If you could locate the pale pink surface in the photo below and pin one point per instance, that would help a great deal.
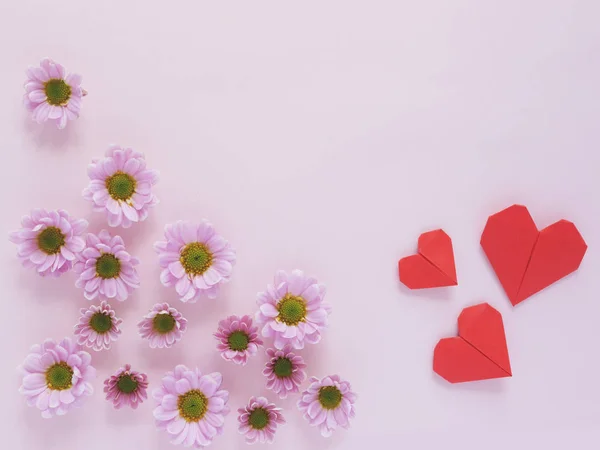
(326, 136)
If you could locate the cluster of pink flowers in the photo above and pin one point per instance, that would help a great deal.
(196, 261)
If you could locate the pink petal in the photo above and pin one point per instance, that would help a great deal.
(113, 206)
(132, 166)
(183, 285)
(110, 287)
(73, 79)
(40, 113)
(38, 257)
(177, 269)
(55, 112)
(130, 212)
(37, 96)
(269, 310)
(211, 276)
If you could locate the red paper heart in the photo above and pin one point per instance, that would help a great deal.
(479, 352)
(527, 260)
(432, 266)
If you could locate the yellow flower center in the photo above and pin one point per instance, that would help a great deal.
(292, 310)
(57, 92)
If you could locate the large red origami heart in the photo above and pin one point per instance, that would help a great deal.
(527, 260)
(432, 266)
(479, 352)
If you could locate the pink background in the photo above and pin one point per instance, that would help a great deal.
(324, 136)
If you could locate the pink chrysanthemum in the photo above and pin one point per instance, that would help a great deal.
(284, 371)
(121, 186)
(126, 387)
(292, 311)
(52, 94)
(163, 326)
(49, 241)
(259, 420)
(238, 339)
(191, 407)
(57, 377)
(98, 326)
(328, 403)
(195, 260)
(105, 268)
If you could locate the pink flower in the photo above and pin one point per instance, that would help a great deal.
(52, 94)
(259, 420)
(238, 339)
(49, 241)
(190, 406)
(292, 310)
(98, 326)
(284, 371)
(126, 387)
(163, 326)
(57, 377)
(328, 403)
(105, 268)
(194, 259)
(121, 186)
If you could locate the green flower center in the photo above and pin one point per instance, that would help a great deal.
(59, 376)
(330, 397)
(57, 92)
(163, 323)
(121, 186)
(283, 368)
(101, 322)
(292, 310)
(108, 266)
(192, 405)
(238, 341)
(195, 258)
(127, 384)
(259, 418)
(50, 240)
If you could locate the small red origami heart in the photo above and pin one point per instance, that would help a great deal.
(527, 260)
(479, 352)
(433, 265)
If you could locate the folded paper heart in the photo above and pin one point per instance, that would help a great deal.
(433, 265)
(479, 352)
(527, 260)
